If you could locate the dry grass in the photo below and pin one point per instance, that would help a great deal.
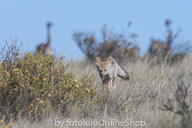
(143, 98)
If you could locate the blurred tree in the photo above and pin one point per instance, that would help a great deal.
(117, 45)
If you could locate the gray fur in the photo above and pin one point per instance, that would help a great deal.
(121, 72)
(109, 70)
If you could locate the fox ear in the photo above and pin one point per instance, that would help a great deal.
(109, 59)
(98, 61)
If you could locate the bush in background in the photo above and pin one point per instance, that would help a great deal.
(120, 46)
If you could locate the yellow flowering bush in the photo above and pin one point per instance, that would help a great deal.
(35, 84)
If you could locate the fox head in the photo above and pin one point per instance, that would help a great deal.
(102, 66)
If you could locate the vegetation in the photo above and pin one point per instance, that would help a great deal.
(120, 46)
(37, 89)
(35, 85)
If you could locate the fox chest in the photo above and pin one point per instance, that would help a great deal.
(105, 79)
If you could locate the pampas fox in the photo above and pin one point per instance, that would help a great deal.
(109, 70)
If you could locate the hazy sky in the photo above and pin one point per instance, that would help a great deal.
(25, 20)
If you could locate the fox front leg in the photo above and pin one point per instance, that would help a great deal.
(109, 86)
(114, 78)
(113, 83)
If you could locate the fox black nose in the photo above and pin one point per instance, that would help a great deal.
(101, 75)
(128, 78)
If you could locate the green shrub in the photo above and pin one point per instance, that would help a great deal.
(34, 85)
